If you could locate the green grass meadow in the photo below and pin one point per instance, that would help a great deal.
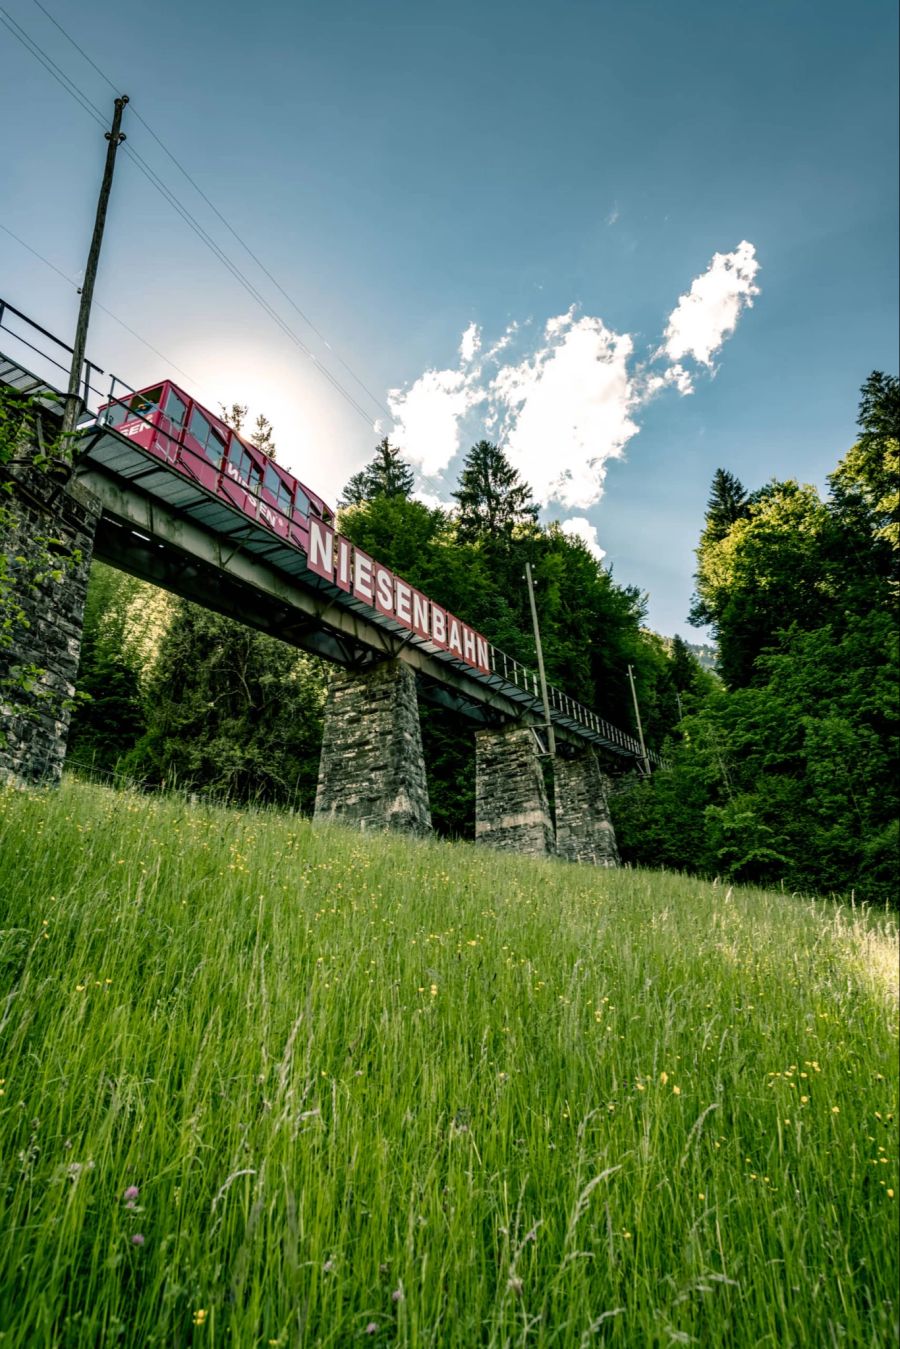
(265, 1084)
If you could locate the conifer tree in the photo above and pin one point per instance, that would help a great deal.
(491, 497)
(262, 435)
(386, 475)
(683, 665)
(727, 503)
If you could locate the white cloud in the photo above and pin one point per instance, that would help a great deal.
(568, 409)
(503, 342)
(429, 499)
(579, 527)
(709, 312)
(563, 402)
(676, 377)
(427, 417)
(470, 344)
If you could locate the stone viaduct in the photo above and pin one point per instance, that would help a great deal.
(119, 506)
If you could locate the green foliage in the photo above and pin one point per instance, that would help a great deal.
(123, 623)
(386, 475)
(333, 1083)
(764, 574)
(867, 481)
(726, 505)
(231, 711)
(791, 774)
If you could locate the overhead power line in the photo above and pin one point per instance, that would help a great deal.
(212, 206)
(50, 66)
(93, 111)
(121, 322)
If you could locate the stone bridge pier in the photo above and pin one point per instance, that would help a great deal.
(372, 775)
(512, 811)
(584, 830)
(372, 769)
(511, 807)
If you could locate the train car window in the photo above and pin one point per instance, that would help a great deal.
(215, 447)
(117, 413)
(239, 457)
(199, 427)
(211, 441)
(144, 404)
(273, 483)
(175, 408)
(244, 465)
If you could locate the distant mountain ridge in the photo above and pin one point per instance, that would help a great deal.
(706, 656)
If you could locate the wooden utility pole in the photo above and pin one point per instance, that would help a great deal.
(551, 738)
(637, 714)
(74, 403)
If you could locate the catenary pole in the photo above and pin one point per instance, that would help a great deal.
(74, 401)
(637, 714)
(551, 738)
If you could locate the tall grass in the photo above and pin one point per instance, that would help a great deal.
(266, 1084)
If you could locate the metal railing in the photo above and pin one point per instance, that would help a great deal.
(55, 362)
(565, 708)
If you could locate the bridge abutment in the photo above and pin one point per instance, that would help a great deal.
(584, 830)
(47, 538)
(511, 807)
(372, 769)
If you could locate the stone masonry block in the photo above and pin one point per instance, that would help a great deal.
(584, 830)
(34, 725)
(372, 769)
(511, 807)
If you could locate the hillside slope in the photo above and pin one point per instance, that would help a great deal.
(271, 1085)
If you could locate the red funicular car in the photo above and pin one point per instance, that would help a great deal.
(172, 426)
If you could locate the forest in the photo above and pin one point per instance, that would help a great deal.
(780, 765)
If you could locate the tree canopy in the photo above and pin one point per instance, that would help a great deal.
(491, 498)
(788, 771)
(387, 474)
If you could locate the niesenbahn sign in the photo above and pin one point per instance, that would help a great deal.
(337, 560)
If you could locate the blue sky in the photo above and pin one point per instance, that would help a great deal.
(665, 237)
